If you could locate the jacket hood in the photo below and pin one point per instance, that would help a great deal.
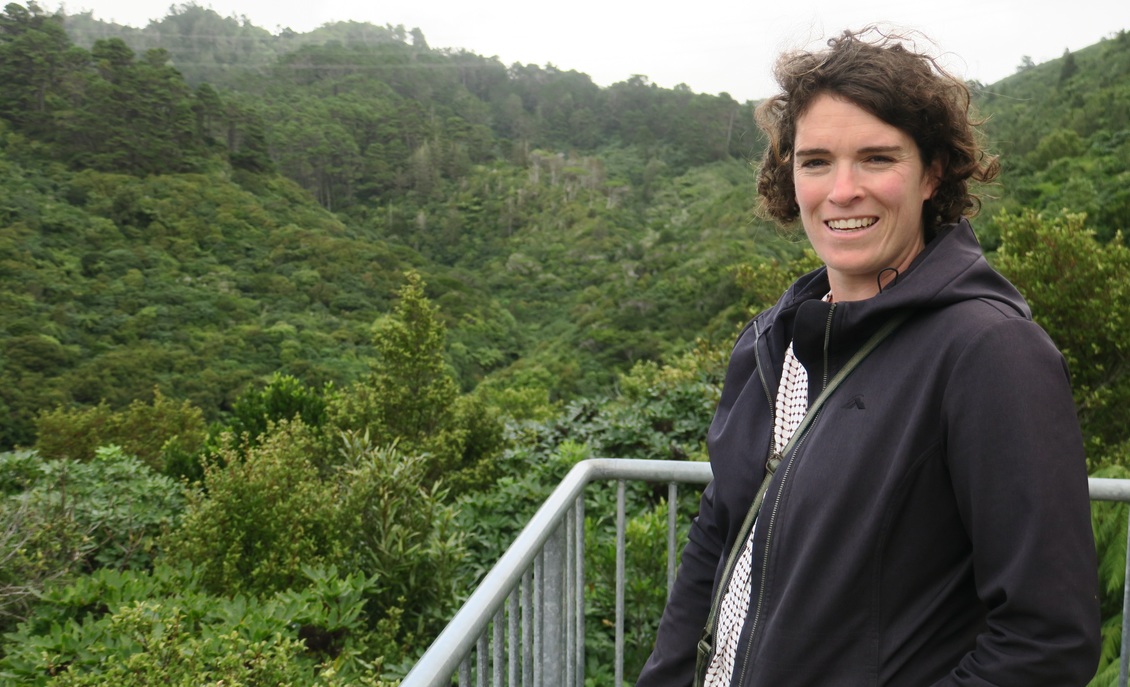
(950, 269)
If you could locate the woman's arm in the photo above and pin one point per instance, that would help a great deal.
(672, 661)
(1019, 474)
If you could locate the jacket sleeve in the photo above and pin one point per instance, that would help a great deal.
(672, 661)
(1016, 460)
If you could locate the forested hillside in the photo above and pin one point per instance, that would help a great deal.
(296, 330)
(549, 216)
(1061, 129)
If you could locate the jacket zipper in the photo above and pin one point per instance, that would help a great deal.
(765, 555)
(777, 500)
(827, 342)
(743, 534)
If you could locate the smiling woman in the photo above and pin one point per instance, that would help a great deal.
(934, 529)
(860, 185)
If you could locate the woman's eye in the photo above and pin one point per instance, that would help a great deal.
(811, 163)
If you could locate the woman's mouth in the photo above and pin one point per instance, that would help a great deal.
(851, 224)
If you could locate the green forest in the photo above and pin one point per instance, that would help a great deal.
(298, 330)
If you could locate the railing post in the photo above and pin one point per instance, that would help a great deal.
(672, 529)
(498, 648)
(579, 658)
(527, 629)
(514, 651)
(553, 606)
(481, 656)
(537, 664)
(1124, 659)
(570, 604)
(620, 580)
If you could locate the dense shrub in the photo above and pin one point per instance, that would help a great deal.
(137, 629)
(59, 518)
(411, 399)
(259, 516)
(283, 398)
(1078, 291)
(264, 513)
(396, 527)
(157, 432)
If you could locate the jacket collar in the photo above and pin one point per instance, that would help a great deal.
(951, 269)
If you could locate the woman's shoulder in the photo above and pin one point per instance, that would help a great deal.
(982, 325)
(975, 313)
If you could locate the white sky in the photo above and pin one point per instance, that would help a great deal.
(710, 45)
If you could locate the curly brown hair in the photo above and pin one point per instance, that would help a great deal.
(906, 89)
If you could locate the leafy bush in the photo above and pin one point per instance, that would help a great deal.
(260, 515)
(59, 518)
(1087, 314)
(19, 471)
(150, 431)
(410, 398)
(265, 513)
(283, 398)
(664, 411)
(396, 528)
(37, 544)
(140, 629)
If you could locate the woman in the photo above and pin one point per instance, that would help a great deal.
(931, 525)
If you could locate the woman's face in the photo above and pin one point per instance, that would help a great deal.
(860, 184)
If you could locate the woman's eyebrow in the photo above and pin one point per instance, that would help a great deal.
(881, 149)
(806, 152)
(809, 152)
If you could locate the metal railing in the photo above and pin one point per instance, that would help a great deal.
(525, 620)
(1103, 489)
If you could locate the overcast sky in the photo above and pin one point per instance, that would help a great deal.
(710, 45)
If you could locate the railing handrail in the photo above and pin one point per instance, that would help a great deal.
(459, 637)
(442, 658)
(1108, 489)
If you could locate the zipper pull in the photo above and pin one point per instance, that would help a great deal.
(773, 461)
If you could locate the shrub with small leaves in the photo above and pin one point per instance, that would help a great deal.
(1077, 289)
(138, 629)
(411, 397)
(261, 514)
(283, 398)
(150, 431)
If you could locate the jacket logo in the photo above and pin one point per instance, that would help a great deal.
(856, 402)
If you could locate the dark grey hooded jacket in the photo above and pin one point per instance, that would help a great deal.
(932, 528)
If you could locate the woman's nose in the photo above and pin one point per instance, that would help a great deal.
(845, 186)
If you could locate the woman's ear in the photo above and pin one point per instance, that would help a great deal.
(931, 179)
